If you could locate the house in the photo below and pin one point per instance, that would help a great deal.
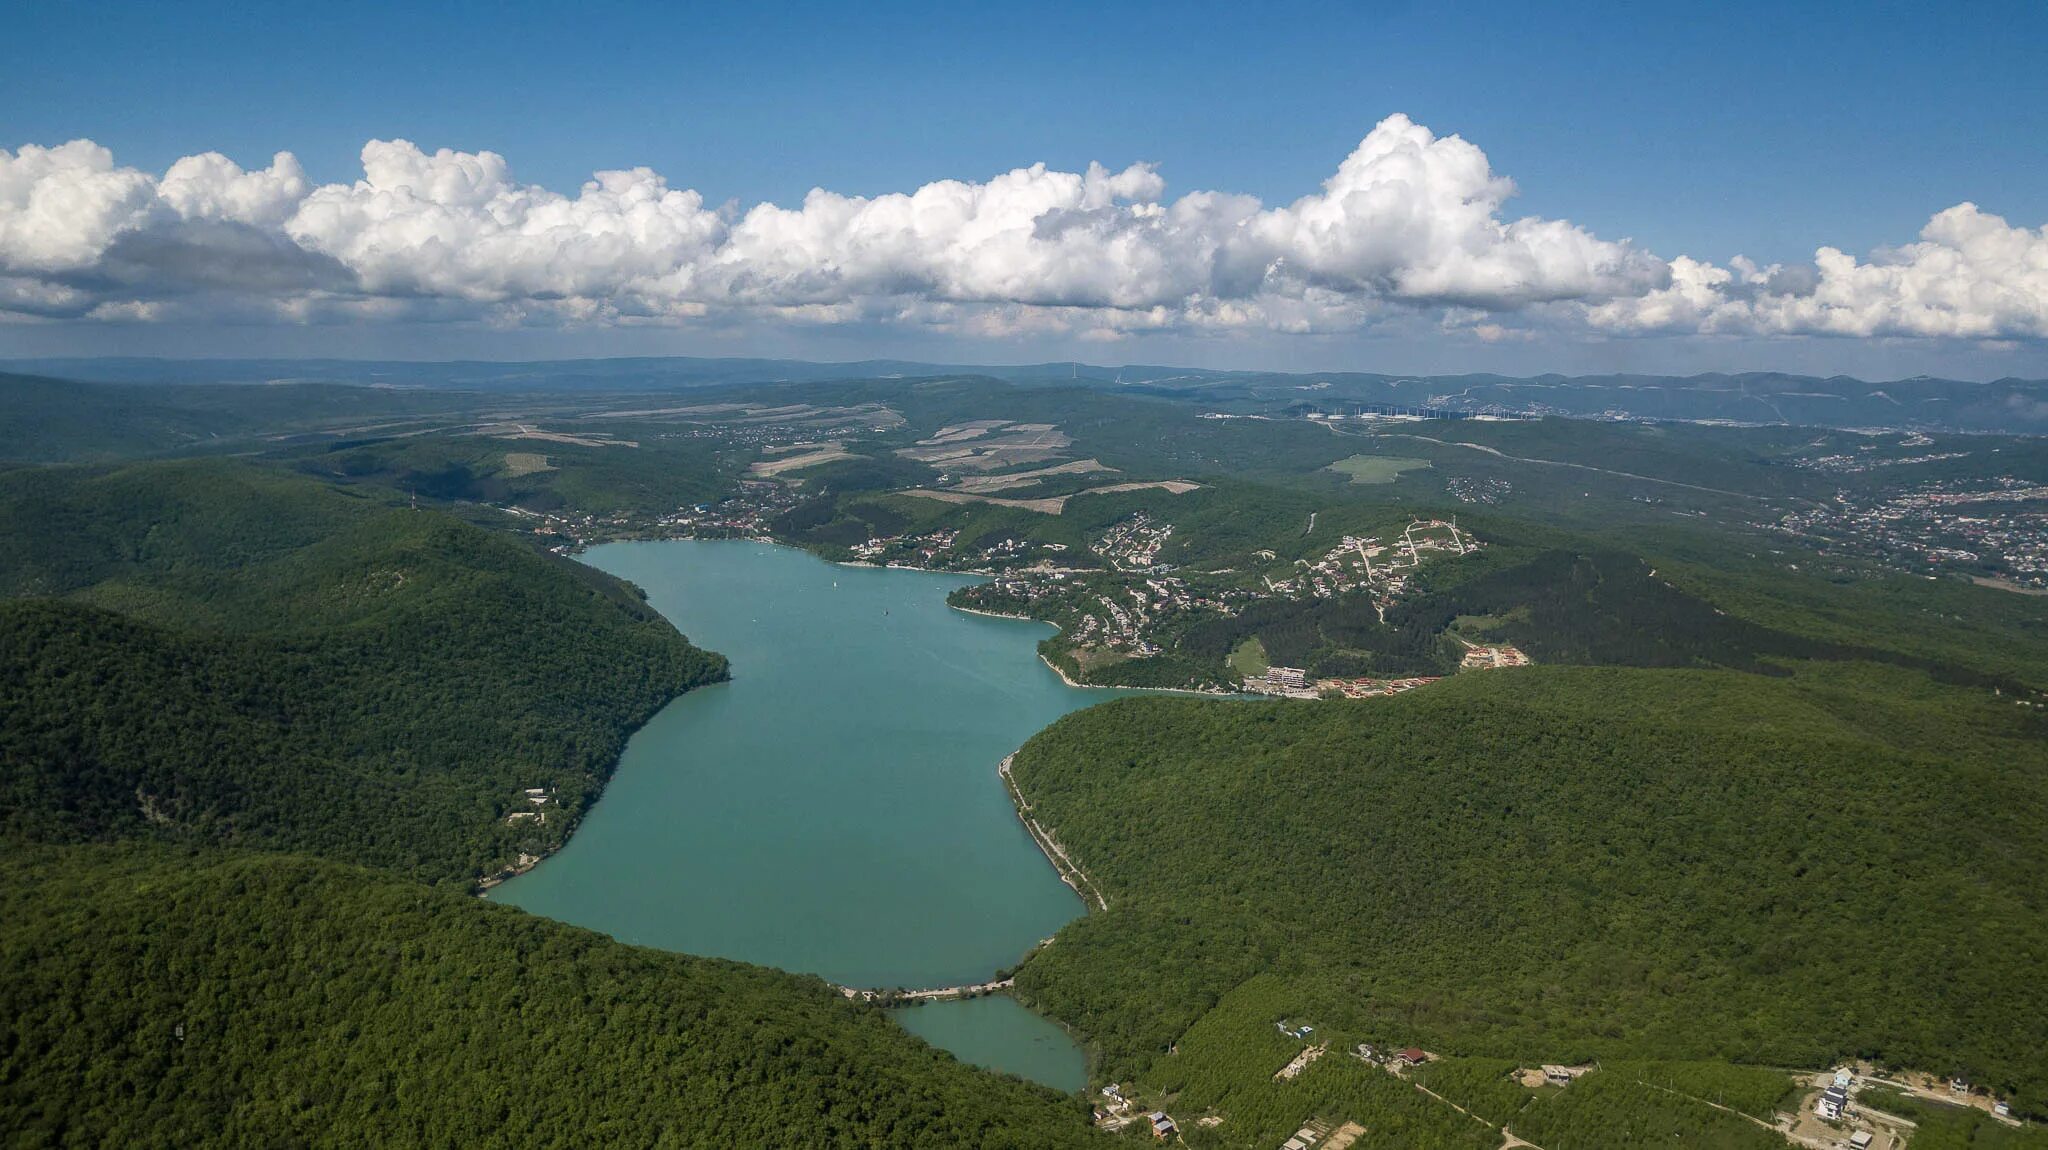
(1843, 1078)
(1162, 1126)
(1833, 1101)
(1557, 1075)
(1860, 1140)
(1414, 1056)
(2003, 1110)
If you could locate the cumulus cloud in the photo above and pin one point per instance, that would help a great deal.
(60, 207)
(1971, 276)
(1410, 224)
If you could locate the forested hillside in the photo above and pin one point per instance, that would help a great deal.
(46, 420)
(223, 653)
(168, 998)
(1553, 864)
(201, 658)
(1772, 798)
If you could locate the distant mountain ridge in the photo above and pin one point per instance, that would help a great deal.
(2009, 405)
(655, 372)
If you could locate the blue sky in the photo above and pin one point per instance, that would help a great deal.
(1759, 130)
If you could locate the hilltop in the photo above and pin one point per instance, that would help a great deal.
(1561, 865)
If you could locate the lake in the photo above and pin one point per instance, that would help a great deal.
(835, 808)
(999, 1033)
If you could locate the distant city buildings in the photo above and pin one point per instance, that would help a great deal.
(1998, 529)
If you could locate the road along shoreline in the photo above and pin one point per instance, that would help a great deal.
(1071, 874)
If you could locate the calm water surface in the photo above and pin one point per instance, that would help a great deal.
(999, 1034)
(835, 808)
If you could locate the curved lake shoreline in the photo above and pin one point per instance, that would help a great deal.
(835, 808)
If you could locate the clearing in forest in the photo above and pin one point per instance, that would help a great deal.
(1376, 468)
(529, 431)
(818, 453)
(983, 484)
(989, 445)
(1250, 659)
(518, 463)
(1344, 1137)
(1053, 504)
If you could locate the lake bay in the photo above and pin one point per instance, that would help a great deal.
(835, 808)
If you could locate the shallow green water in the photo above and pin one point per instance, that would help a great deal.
(999, 1034)
(835, 808)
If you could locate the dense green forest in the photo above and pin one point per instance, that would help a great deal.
(1802, 825)
(201, 658)
(621, 477)
(44, 420)
(1552, 864)
(157, 997)
(221, 652)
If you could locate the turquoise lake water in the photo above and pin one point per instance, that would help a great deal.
(1000, 1034)
(834, 809)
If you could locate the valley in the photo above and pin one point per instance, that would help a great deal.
(1651, 749)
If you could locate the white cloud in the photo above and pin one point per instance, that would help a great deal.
(1416, 217)
(455, 224)
(60, 207)
(1410, 225)
(1971, 276)
(211, 187)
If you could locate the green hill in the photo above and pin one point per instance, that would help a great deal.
(1561, 863)
(45, 420)
(219, 652)
(200, 658)
(161, 998)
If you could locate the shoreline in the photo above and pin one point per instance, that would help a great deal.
(1200, 692)
(1069, 872)
(1068, 679)
(999, 614)
(482, 885)
(1072, 876)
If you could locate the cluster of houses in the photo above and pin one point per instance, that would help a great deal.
(1483, 658)
(1834, 1100)
(1134, 544)
(1117, 1115)
(1289, 682)
(913, 550)
(1351, 563)
(1372, 688)
(747, 513)
(1294, 683)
